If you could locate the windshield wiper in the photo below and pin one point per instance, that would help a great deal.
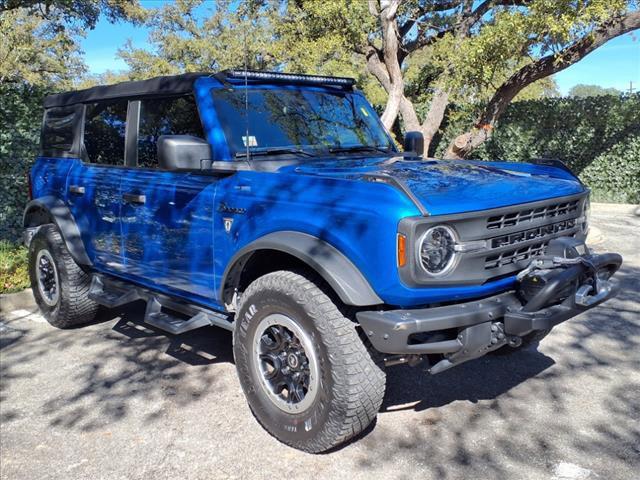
(359, 148)
(275, 151)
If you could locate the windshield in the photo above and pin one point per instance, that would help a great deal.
(298, 121)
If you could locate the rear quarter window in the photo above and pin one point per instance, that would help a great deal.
(59, 129)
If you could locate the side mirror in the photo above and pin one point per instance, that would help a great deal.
(183, 152)
(414, 142)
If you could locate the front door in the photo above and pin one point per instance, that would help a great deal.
(167, 217)
(93, 186)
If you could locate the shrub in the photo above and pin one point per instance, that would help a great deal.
(597, 137)
(14, 273)
(20, 119)
(614, 176)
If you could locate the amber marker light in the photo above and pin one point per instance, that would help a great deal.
(402, 250)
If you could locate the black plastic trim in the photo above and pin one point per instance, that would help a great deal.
(389, 330)
(64, 220)
(400, 185)
(334, 267)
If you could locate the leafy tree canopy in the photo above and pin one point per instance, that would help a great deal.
(581, 90)
(39, 40)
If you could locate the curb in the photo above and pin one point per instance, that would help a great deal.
(17, 301)
(625, 208)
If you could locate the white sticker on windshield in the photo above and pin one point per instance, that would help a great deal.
(252, 141)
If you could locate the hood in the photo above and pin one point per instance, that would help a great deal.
(448, 186)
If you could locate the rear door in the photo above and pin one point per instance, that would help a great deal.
(93, 185)
(167, 216)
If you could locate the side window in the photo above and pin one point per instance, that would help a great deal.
(165, 116)
(58, 129)
(104, 132)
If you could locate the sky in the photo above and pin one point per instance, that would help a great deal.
(615, 64)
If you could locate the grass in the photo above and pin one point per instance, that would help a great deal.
(14, 272)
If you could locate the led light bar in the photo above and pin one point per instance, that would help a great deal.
(288, 77)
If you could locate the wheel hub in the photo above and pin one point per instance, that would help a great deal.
(285, 360)
(47, 278)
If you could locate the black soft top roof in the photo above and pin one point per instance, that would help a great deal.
(180, 84)
(166, 85)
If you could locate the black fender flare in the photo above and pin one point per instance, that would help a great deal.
(333, 266)
(63, 219)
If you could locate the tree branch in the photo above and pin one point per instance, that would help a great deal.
(537, 70)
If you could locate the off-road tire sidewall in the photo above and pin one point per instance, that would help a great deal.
(329, 420)
(296, 427)
(73, 306)
(41, 241)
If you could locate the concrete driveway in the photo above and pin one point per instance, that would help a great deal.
(117, 399)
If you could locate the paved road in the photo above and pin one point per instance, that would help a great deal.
(119, 400)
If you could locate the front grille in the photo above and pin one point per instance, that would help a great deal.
(531, 214)
(538, 232)
(516, 255)
(546, 222)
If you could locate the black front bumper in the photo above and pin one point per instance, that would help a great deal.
(468, 330)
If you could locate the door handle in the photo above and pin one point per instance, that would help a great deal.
(134, 198)
(77, 189)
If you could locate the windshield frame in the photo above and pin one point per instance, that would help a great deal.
(308, 150)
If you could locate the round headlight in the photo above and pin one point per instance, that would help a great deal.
(436, 249)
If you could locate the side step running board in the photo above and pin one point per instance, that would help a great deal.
(111, 297)
(164, 321)
(114, 293)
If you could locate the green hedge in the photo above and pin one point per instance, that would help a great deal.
(597, 137)
(20, 118)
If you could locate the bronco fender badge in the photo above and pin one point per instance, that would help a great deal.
(228, 222)
(224, 208)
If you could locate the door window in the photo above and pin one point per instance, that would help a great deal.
(104, 132)
(165, 116)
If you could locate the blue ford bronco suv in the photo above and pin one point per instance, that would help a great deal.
(277, 206)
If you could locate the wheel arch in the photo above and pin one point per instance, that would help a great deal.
(291, 250)
(50, 209)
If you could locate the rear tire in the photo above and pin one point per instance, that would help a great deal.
(288, 330)
(60, 287)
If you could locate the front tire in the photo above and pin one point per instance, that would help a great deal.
(60, 287)
(308, 377)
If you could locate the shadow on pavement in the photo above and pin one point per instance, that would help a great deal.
(133, 370)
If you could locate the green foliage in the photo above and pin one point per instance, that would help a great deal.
(582, 90)
(597, 137)
(20, 119)
(195, 35)
(14, 272)
(510, 37)
(39, 40)
(614, 175)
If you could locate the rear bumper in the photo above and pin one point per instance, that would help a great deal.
(468, 330)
